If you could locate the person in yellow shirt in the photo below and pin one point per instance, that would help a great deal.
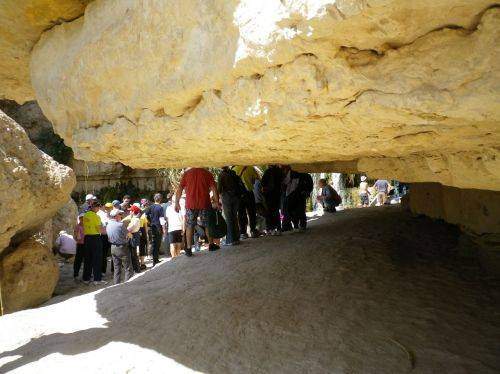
(247, 212)
(92, 229)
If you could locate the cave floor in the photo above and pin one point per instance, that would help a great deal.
(363, 291)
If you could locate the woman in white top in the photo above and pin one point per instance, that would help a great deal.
(175, 225)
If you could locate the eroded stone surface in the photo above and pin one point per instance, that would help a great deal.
(29, 275)
(474, 210)
(21, 23)
(32, 185)
(303, 82)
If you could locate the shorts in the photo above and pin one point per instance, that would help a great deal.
(192, 216)
(364, 199)
(175, 236)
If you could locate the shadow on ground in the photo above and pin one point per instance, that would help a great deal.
(367, 290)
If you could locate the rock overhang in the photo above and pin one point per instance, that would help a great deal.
(390, 84)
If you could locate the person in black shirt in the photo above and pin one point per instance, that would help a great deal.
(230, 190)
(153, 214)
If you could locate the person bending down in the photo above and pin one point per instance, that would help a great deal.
(198, 183)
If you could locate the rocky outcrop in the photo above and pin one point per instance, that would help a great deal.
(28, 275)
(381, 83)
(32, 185)
(21, 23)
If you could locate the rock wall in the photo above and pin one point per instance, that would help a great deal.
(387, 84)
(94, 176)
(477, 211)
(21, 23)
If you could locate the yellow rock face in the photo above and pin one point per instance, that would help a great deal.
(21, 24)
(379, 84)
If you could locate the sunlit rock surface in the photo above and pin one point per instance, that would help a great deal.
(21, 24)
(248, 82)
(32, 185)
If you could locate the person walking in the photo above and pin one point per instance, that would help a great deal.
(271, 189)
(175, 227)
(120, 253)
(198, 183)
(93, 245)
(247, 214)
(79, 236)
(231, 190)
(298, 186)
(382, 188)
(154, 213)
(364, 194)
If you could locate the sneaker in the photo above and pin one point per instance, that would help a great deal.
(87, 283)
(188, 252)
(243, 236)
(213, 247)
(100, 283)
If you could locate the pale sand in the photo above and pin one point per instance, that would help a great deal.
(363, 291)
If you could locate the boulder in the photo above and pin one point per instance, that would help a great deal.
(395, 86)
(28, 275)
(32, 185)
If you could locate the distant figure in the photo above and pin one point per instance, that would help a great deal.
(79, 236)
(247, 211)
(133, 222)
(271, 189)
(364, 194)
(125, 204)
(103, 214)
(143, 244)
(92, 227)
(175, 228)
(156, 215)
(65, 245)
(118, 236)
(328, 198)
(382, 187)
(198, 183)
(86, 205)
(231, 194)
(298, 187)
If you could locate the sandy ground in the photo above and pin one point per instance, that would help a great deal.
(363, 291)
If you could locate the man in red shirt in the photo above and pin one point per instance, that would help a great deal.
(198, 183)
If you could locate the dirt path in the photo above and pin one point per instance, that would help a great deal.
(363, 291)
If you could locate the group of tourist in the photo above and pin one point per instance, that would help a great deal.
(126, 231)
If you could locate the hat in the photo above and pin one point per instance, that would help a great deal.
(135, 209)
(89, 197)
(108, 205)
(115, 212)
(116, 202)
(136, 204)
(363, 178)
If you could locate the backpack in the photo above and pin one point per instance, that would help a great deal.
(217, 227)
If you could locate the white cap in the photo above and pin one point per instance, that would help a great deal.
(137, 205)
(115, 212)
(363, 178)
(89, 197)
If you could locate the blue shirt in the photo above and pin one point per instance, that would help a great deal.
(154, 213)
